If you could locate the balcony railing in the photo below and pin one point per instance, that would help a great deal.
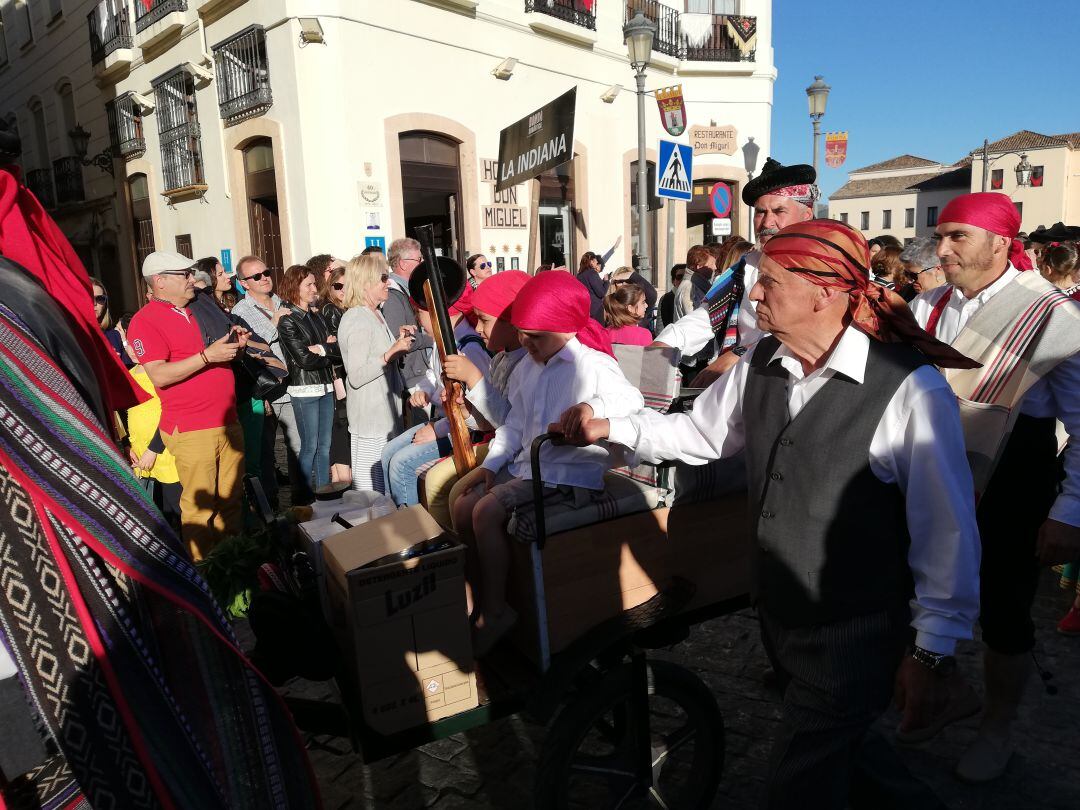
(125, 127)
(667, 39)
(110, 29)
(243, 76)
(144, 17)
(69, 180)
(577, 12)
(40, 182)
(722, 45)
(181, 158)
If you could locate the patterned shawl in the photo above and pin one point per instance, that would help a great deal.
(128, 665)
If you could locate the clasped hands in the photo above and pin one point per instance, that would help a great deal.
(578, 426)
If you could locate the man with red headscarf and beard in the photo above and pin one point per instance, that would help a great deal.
(1026, 333)
(863, 516)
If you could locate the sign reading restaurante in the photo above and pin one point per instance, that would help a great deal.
(540, 141)
(713, 140)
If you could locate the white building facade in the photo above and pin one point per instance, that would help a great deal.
(287, 128)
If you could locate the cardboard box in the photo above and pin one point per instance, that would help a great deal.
(401, 624)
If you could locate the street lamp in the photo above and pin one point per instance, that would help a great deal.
(817, 95)
(80, 141)
(750, 155)
(638, 35)
(1023, 168)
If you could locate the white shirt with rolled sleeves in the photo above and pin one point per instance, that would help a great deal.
(690, 334)
(918, 445)
(1055, 395)
(539, 395)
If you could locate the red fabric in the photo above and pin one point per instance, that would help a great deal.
(464, 305)
(792, 191)
(834, 255)
(558, 302)
(495, 295)
(630, 335)
(1020, 260)
(206, 399)
(935, 313)
(984, 209)
(28, 236)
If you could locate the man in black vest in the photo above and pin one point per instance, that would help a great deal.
(862, 509)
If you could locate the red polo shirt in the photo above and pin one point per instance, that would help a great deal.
(206, 399)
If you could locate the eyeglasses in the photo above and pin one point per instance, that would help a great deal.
(484, 265)
(257, 276)
(184, 273)
(101, 299)
(337, 285)
(416, 259)
(915, 276)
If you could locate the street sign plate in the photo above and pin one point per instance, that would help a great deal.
(720, 200)
(676, 176)
(721, 227)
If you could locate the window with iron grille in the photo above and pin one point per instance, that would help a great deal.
(577, 12)
(243, 75)
(864, 220)
(178, 130)
(909, 217)
(886, 219)
(125, 127)
(145, 17)
(931, 216)
(1036, 176)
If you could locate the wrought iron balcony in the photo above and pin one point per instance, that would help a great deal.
(724, 43)
(667, 39)
(243, 76)
(69, 180)
(144, 17)
(578, 12)
(39, 181)
(110, 30)
(125, 127)
(181, 157)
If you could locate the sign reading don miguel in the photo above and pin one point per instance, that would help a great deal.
(540, 141)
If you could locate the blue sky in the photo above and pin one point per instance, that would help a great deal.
(926, 78)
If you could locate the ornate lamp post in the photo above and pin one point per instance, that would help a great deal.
(638, 35)
(750, 152)
(80, 141)
(1023, 168)
(817, 95)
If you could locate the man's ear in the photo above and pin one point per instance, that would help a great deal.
(825, 297)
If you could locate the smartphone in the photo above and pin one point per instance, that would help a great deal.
(234, 336)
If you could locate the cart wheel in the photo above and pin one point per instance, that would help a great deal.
(589, 759)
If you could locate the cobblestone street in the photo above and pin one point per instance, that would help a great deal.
(494, 766)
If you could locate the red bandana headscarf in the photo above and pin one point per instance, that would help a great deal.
(495, 295)
(558, 302)
(29, 237)
(993, 212)
(831, 254)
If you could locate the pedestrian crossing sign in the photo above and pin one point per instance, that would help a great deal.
(675, 180)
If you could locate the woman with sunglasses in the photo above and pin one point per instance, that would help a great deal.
(331, 299)
(478, 268)
(114, 334)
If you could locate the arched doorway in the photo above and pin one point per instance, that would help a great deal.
(699, 213)
(431, 189)
(262, 204)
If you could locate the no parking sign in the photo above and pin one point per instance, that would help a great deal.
(720, 200)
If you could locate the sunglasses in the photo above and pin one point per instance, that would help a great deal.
(101, 299)
(484, 265)
(384, 278)
(337, 285)
(257, 276)
(915, 276)
(184, 273)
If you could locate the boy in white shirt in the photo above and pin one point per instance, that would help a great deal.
(569, 362)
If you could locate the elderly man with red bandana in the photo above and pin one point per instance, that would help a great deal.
(866, 553)
(1026, 334)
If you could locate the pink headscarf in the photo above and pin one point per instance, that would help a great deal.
(558, 302)
(993, 212)
(495, 294)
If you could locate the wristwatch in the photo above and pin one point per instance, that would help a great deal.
(943, 665)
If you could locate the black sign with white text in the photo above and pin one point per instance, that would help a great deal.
(540, 141)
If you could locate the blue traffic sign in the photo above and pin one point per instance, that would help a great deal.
(720, 200)
(675, 180)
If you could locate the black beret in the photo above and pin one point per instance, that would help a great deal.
(1060, 232)
(774, 176)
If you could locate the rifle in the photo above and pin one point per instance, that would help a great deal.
(434, 275)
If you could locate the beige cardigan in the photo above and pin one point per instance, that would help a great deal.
(373, 388)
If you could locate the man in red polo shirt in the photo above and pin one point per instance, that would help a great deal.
(198, 401)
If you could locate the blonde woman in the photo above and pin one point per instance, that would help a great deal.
(370, 354)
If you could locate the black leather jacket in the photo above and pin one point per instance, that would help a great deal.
(297, 331)
(332, 315)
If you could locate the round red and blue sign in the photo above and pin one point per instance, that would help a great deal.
(720, 200)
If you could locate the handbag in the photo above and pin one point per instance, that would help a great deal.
(266, 382)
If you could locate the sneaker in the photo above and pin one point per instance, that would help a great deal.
(985, 760)
(1070, 625)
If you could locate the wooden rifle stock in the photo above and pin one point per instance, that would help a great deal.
(438, 307)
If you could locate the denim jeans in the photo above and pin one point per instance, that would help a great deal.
(400, 461)
(315, 421)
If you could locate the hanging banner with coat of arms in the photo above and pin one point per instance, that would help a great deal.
(672, 109)
(835, 149)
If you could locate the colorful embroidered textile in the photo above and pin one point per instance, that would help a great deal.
(723, 302)
(128, 665)
(744, 31)
(831, 254)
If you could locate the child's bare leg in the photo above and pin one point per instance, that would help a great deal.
(495, 617)
(462, 515)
